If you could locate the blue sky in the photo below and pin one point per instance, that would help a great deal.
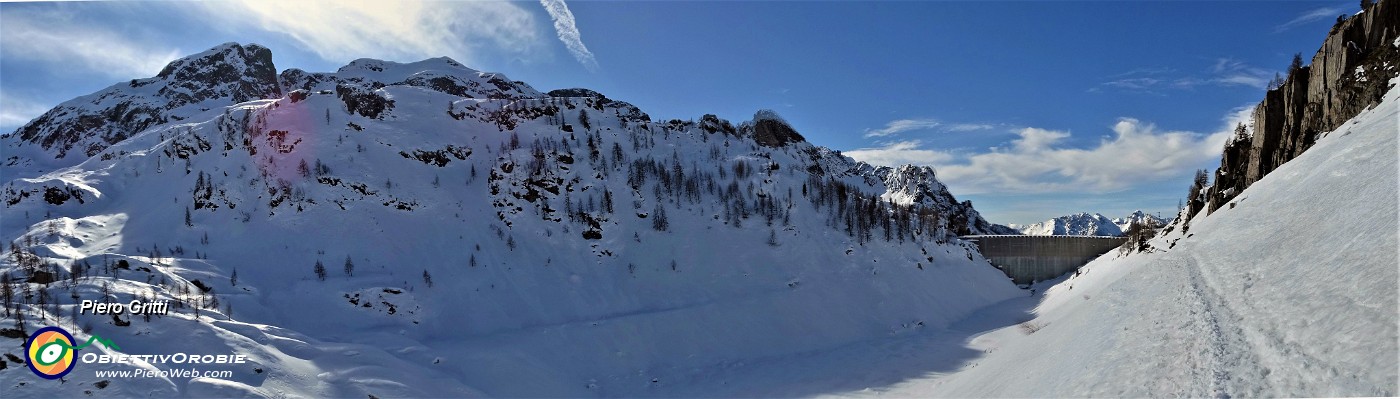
(1029, 109)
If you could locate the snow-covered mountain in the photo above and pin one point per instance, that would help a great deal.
(1079, 224)
(1139, 217)
(82, 127)
(425, 229)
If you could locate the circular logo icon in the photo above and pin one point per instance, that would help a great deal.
(50, 352)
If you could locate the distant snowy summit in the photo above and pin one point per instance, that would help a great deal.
(1087, 224)
(1139, 217)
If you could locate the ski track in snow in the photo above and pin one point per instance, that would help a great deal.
(1226, 340)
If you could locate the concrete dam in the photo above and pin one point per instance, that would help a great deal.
(1028, 259)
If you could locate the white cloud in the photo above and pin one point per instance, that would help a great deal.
(16, 111)
(1145, 71)
(1232, 72)
(1310, 16)
(1039, 161)
(341, 31)
(1226, 65)
(1224, 72)
(969, 127)
(902, 125)
(899, 153)
(1133, 83)
(1036, 139)
(1188, 82)
(1137, 153)
(1243, 79)
(1242, 115)
(568, 32)
(906, 125)
(55, 39)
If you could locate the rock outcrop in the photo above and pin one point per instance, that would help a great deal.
(1350, 73)
(770, 130)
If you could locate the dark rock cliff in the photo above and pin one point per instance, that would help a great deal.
(770, 130)
(1350, 73)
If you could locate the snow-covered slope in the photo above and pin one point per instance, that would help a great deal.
(1079, 224)
(477, 237)
(1290, 292)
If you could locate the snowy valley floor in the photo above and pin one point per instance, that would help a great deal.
(859, 368)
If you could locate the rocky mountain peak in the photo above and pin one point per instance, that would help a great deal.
(771, 130)
(248, 68)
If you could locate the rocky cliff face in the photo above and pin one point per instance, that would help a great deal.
(1350, 73)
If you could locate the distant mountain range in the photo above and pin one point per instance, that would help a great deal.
(1087, 224)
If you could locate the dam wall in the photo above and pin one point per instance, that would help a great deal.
(1028, 259)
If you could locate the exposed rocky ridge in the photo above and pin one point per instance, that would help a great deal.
(1348, 74)
(224, 75)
